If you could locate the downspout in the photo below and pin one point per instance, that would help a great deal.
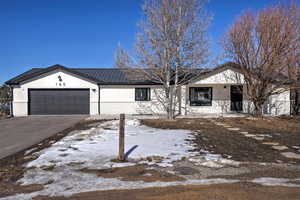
(11, 101)
(98, 99)
(291, 102)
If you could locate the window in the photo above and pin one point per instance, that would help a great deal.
(200, 96)
(142, 94)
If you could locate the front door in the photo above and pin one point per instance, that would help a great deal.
(236, 97)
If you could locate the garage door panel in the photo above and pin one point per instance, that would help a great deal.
(59, 102)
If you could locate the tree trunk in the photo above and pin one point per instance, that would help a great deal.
(295, 104)
(171, 102)
(258, 108)
(178, 93)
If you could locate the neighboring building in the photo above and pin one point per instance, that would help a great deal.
(58, 90)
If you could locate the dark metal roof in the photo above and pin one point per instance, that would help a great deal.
(18, 78)
(111, 76)
(103, 76)
(34, 72)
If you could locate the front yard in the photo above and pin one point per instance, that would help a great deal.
(184, 156)
(242, 139)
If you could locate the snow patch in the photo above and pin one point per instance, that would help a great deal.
(213, 161)
(276, 181)
(65, 186)
(94, 148)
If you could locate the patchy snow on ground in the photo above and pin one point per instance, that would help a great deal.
(296, 147)
(276, 181)
(213, 161)
(57, 167)
(94, 148)
(89, 182)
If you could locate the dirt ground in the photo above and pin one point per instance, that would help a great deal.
(134, 173)
(232, 144)
(285, 130)
(237, 191)
(258, 171)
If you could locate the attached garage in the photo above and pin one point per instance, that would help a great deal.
(58, 90)
(58, 101)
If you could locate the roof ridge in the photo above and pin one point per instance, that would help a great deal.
(99, 75)
(94, 68)
(107, 68)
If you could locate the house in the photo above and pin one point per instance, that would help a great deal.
(58, 90)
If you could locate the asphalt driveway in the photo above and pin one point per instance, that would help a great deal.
(20, 133)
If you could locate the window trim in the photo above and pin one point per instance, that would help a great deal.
(149, 97)
(211, 96)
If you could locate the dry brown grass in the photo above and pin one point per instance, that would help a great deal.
(134, 173)
(238, 191)
(219, 140)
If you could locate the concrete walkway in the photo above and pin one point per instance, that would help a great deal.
(19, 133)
(261, 137)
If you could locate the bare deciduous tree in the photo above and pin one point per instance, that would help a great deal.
(293, 72)
(170, 46)
(5, 95)
(5, 98)
(260, 44)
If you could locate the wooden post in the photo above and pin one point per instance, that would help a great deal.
(121, 137)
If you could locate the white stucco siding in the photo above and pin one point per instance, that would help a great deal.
(279, 104)
(50, 81)
(121, 99)
(117, 94)
(224, 77)
(220, 100)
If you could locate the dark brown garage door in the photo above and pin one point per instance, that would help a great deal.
(58, 101)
